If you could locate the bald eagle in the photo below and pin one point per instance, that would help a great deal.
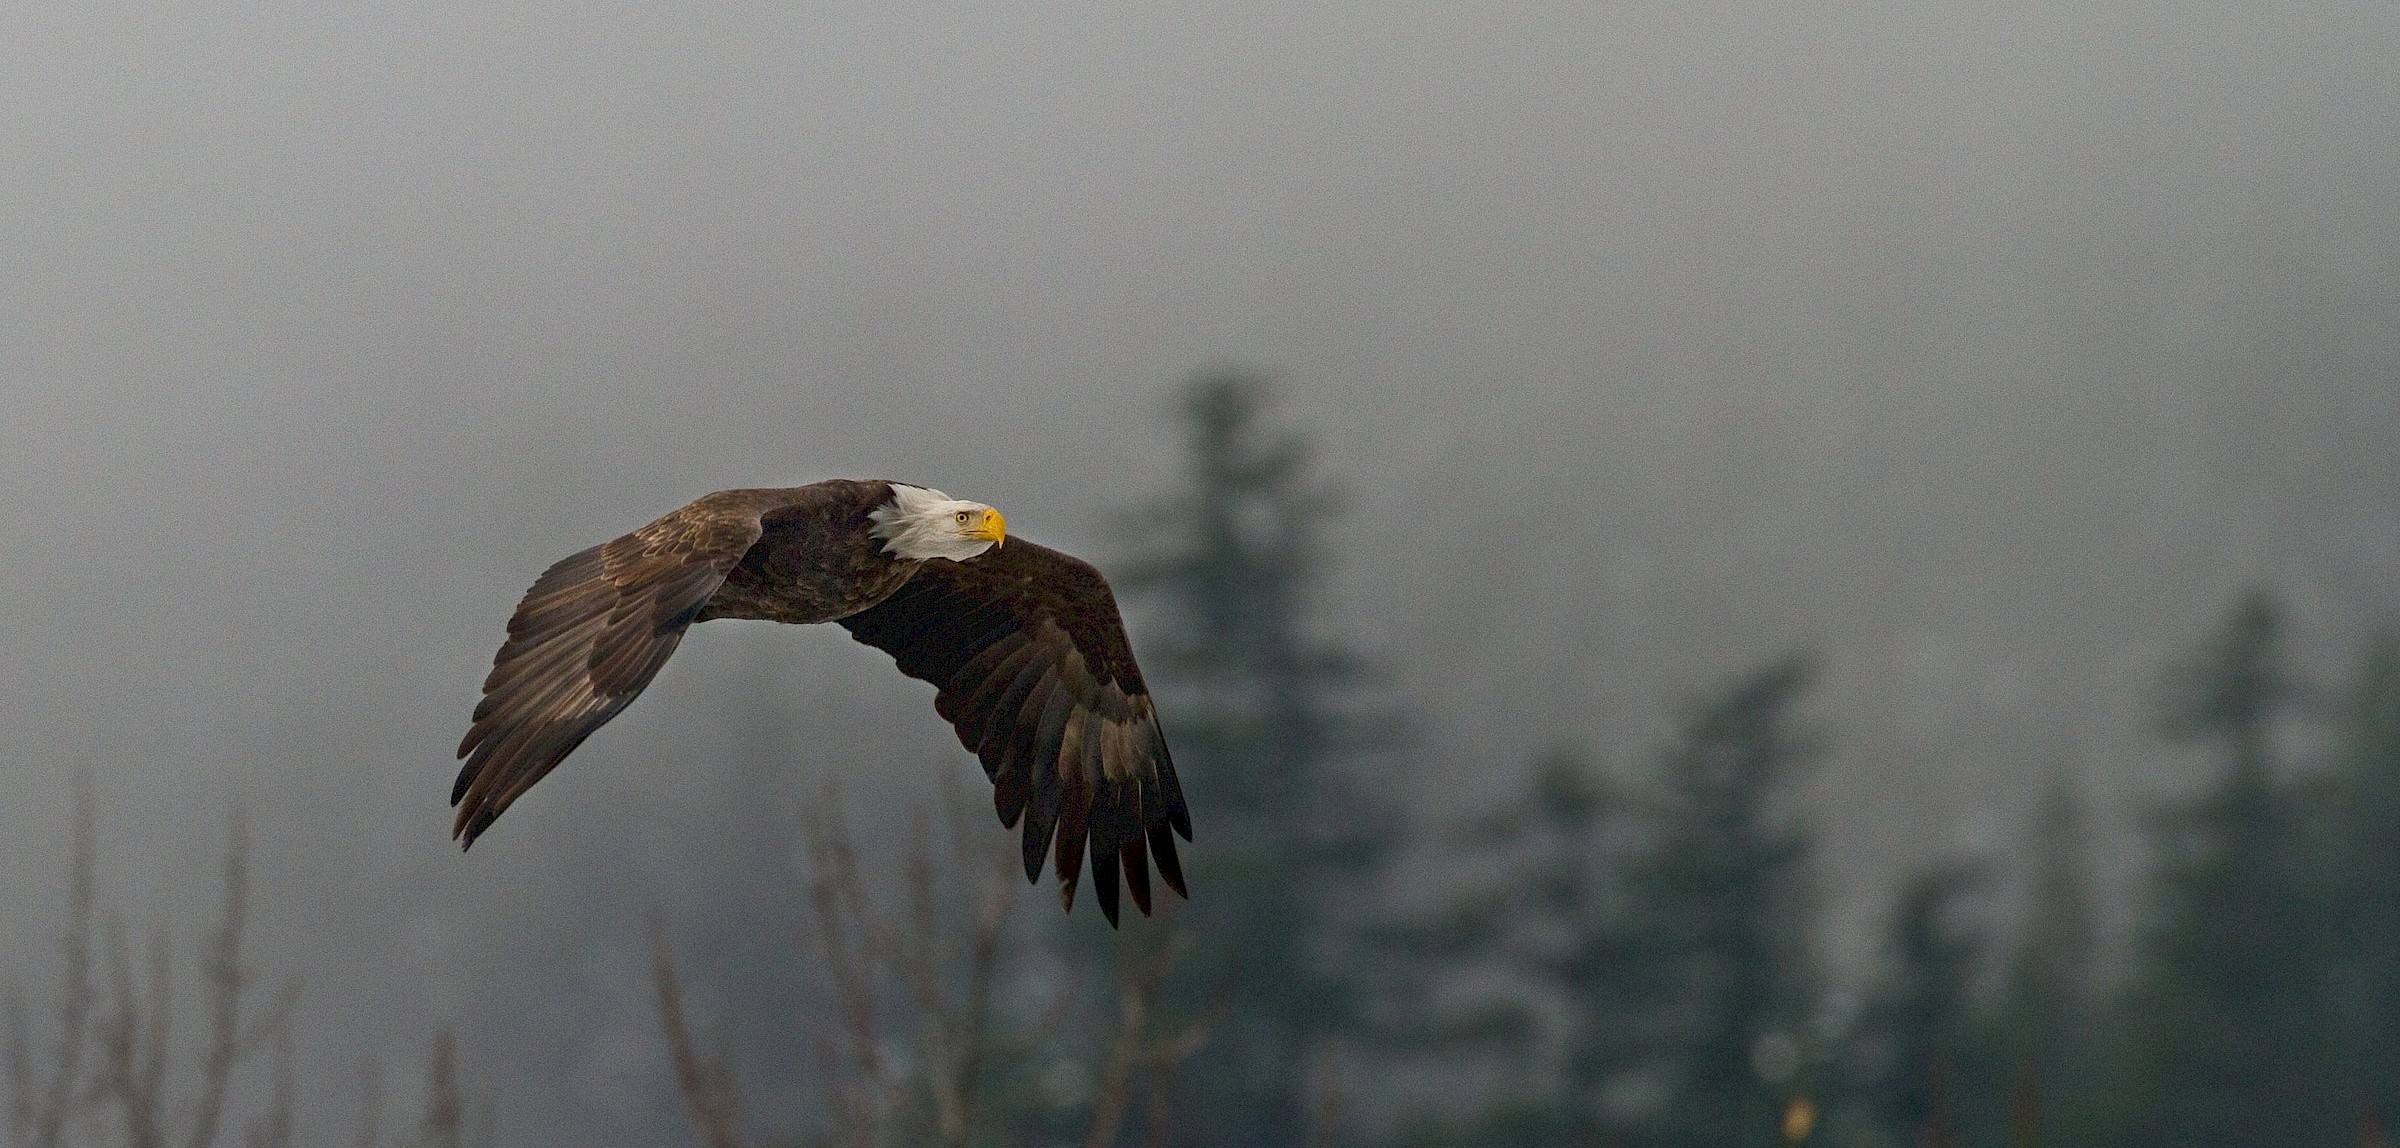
(1023, 645)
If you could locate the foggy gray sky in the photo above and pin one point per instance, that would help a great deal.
(1989, 349)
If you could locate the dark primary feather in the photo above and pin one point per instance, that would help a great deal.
(1028, 656)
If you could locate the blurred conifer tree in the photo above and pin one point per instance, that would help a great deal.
(1726, 896)
(1921, 1060)
(1536, 974)
(1268, 719)
(2051, 990)
(2367, 867)
(1659, 932)
(2228, 1006)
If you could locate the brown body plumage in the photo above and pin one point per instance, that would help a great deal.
(1023, 645)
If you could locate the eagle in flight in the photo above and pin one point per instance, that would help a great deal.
(1023, 645)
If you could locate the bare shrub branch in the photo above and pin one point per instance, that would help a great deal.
(1146, 956)
(704, 1081)
(915, 1040)
(42, 1104)
(273, 1127)
(113, 1072)
(446, 1107)
(137, 1065)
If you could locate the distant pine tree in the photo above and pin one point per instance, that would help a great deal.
(2367, 864)
(1267, 720)
(2228, 1003)
(2051, 990)
(1550, 940)
(1918, 1053)
(1648, 939)
(1726, 897)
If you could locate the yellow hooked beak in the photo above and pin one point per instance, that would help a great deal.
(993, 529)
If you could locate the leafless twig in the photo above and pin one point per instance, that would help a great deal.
(1146, 956)
(451, 1118)
(704, 1081)
(41, 1104)
(940, 952)
(112, 1071)
(136, 1067)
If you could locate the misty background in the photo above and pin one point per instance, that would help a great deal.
(1990, 352)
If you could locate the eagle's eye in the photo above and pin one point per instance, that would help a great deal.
(962, 517)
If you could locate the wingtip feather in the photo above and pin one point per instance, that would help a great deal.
(1162, 851)
(1136, 858)
(1037, 846)
(1104, 883)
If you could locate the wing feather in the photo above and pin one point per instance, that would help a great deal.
(1040, 763)
(1104, 882)
(1162, 852)
(1004, 706)
(584, 642)
(1137, 872)
(1074, 821)
(959, 709)
(1006, 755)
(1031, 667)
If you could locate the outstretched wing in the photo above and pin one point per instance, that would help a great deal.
(592, 631)
(1029, 658)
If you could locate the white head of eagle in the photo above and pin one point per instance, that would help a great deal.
(919, 524)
